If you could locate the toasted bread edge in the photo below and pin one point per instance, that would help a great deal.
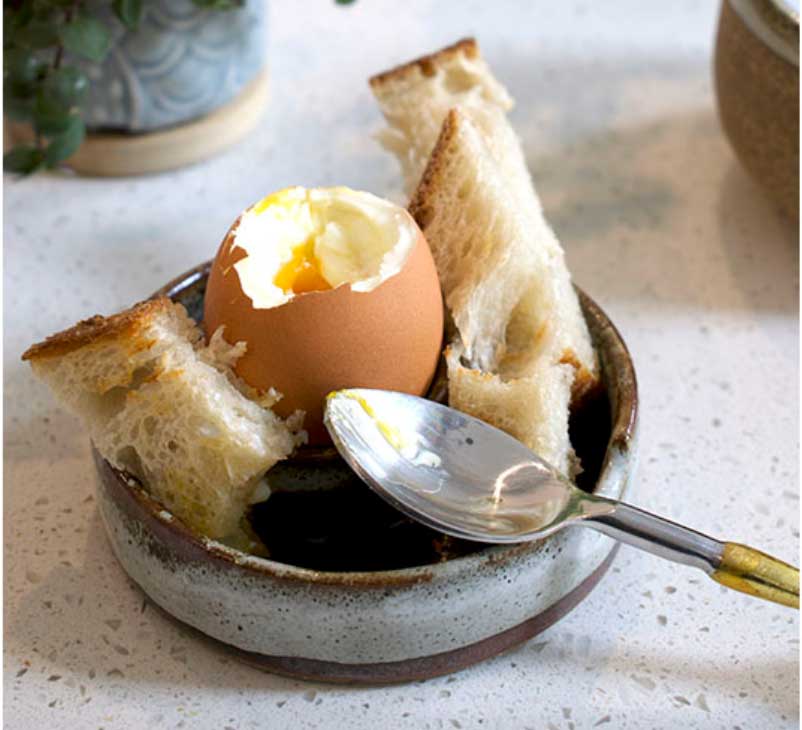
(426, 64)
(125, 325)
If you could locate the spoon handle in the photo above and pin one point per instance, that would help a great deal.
(730, 564)
(751, 571)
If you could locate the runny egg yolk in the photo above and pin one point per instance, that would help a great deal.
(301, 274)
(301, 240)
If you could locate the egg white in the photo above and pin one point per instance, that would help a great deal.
(358, 239)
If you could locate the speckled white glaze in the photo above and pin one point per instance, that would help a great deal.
(455, 604)
(278, 610)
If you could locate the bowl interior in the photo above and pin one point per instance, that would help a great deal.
(321, 516)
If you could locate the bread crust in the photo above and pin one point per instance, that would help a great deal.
(427, 187)
(125, 326)
(585, 384)
(426, 64)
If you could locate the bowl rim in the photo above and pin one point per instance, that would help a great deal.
(774, 23)
(621, 442)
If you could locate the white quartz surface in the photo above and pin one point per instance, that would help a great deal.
(661, 226)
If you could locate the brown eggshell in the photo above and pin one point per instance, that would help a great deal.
(387, 338)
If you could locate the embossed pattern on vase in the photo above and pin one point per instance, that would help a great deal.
(181, 63)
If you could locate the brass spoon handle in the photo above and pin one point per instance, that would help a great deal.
(751, 571)
(730, 564)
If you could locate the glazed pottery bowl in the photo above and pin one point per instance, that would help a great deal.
(382, 625)
(757, 88)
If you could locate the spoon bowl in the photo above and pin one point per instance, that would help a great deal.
(447, 469)
(465, 477)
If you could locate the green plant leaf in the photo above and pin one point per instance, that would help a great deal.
(218, 4)
(86, 37)
(66, 86)
(129, 12)
(63, 145)
(37, 34)
(50, 117)
(23, 160)
(19, 16)
(21, 66)
(343, 2)
(20, 110)
(21, 72)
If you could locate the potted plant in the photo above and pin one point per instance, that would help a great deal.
(128, 86)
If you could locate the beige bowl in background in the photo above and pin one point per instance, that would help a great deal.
(757, 87)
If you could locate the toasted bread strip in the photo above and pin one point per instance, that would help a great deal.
(502, 268)
(415, 99)
(507, 375)
(416, 96)
(162, 407)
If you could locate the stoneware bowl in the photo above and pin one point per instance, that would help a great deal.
(386, 625)
(756, 71)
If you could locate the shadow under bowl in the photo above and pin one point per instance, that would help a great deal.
(379, 626)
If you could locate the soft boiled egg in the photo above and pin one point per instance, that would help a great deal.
(329, 288)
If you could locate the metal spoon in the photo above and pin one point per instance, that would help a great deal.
(459, 475)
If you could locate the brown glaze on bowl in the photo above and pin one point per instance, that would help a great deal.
(378, 626)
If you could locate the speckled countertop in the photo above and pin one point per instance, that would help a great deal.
(660, 225)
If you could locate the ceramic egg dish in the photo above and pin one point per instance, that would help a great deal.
(385, 621)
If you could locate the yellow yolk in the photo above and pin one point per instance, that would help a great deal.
(301, 274)
(279, 198)
(391, 433)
